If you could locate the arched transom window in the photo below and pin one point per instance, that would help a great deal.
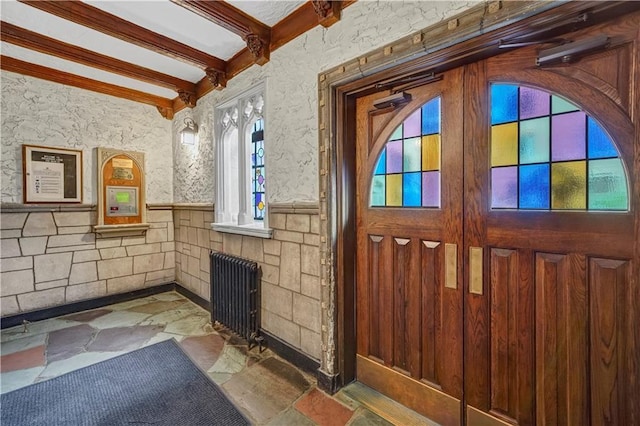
(407, 172)
(548, 154)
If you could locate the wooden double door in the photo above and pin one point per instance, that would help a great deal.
(472, 314)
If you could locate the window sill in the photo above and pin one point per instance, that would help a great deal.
(249, 230)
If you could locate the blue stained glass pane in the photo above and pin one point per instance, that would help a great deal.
(504, 103)
(600, 145)
(381, 167)
(534, 186)
(431, 117)
(411, 193)
(253, 159)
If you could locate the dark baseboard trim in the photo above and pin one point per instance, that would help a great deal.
(291, 354)
(71, 308)
(328, 383)
(200, 301)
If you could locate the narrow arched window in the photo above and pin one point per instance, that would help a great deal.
(548, 154)
(407, 172)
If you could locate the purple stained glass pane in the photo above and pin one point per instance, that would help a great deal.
(394, 157)
(504, 187)
(568, 136)
(412, 124)
(431, 189)
(533, 103)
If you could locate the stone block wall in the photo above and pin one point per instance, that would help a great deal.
(51, 256)
(289, 261)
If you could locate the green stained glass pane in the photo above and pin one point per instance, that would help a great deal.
(560, 105)
(394, 190)
(378, 191)
(569, 185)
(411, 155)
(607, 185)
(534, 141)
(397, 134)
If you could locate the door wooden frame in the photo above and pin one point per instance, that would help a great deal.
(481, 30)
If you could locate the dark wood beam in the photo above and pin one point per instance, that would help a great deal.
(298, 22)
(94, 18)
(21, 37)
(254, 32)
(164, 105)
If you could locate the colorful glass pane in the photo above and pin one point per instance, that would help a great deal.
(504, 144)
(407, 170)
(257, 164)
(546, 146)
(607, 185)
(534, 140)
(533, 103)
(569, 185)
(534, 186)
(431, 189)
(394, 190)
(431, 152)
(378, 190)
(411, 187)
(560, 105)
(568, 133)
(504, 103)
(411, 126)
(412, 155)
(394, 157)
(381, 167)
(600, 144)
(397, 134)
(431, 117)
(504, 187)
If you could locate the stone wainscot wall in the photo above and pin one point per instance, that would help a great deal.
(289, 261)
(51, 257)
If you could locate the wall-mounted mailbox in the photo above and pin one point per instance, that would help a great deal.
(121, 200)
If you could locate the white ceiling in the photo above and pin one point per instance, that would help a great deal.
(160, 16)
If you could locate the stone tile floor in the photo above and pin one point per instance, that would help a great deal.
(267, 389)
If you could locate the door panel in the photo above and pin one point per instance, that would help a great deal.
(409, 303)
(540, 307)
(550, 341)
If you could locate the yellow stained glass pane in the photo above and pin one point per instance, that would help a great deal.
(569, 185)
(504, 144)
(394, 190)
(430, 153)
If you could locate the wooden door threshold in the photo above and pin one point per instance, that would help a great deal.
(357, 394)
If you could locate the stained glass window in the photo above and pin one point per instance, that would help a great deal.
(547, 154)
(407, 172)
(257, 169)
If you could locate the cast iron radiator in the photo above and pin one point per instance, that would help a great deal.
(235, 295)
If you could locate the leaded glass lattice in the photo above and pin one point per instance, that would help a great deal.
(257, 169)
(547, 154)
(407, 172)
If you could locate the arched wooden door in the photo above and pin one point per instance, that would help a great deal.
(511, 297)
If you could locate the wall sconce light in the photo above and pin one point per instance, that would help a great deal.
(189, 134)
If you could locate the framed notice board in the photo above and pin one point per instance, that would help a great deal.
(51, 175)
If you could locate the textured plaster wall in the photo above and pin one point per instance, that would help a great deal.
(291, 95)
(38, 112)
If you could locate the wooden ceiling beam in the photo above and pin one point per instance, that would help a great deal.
(28, 39)
(298, 22)
(164, 105)
(94, 18)
(255, 33)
